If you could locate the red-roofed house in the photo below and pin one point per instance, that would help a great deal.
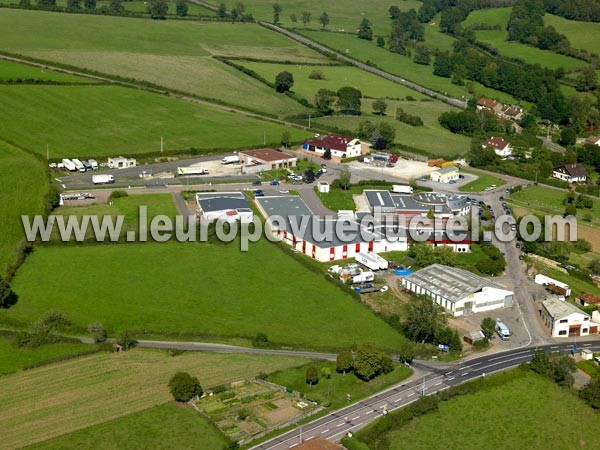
(593, 140)
(255, 161)
(488, 103)
(340, 146)
(512, 112)
(500, 146)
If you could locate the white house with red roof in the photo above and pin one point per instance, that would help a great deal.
(340, 146)
(490, 104)
(500, 146)
(593, 140)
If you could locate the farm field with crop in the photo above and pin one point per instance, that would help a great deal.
(195, 290)
(400, 65)
(97, 121)
(92, 390)
(24, 184)
(430, 138)
(173, 53)
(528, 53)
(542, 415)
(169, 426)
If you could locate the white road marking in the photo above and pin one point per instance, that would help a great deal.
(437, 384)
(465, 374)
(293, 445)
(352, 420)
(476, 364)
(368, 412)
(325, 431)
(397, 400)
(555, 346)
(450, 379)
(411, 394)
(339, 425)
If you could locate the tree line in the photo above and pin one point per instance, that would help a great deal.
(157, 9)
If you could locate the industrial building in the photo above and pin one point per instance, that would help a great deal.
(121, 162)
(228, 206)
(445, 175)
(458, 291)
(318, 238)
(442, 205)
(255, 161)
(564, 319)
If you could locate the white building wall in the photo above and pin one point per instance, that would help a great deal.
(560, 328)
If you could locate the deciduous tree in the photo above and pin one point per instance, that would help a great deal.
(324, 19)
(488, 327)
(184, 387)
(284, 81)
(312, 375)
(344, 362)
(306, 16)
(379, 106)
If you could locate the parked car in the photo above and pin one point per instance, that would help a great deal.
(274, 183)
(383, 289)
(521, 257)
(284, 191)
(452, 182)
(256, 183)
(324, 168)
(258, 193)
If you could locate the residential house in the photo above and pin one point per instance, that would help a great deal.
(573, 173)
(585, 299)
(501, 147)
(489, 104)
(340, 146)
(593, 140)
(564, 319)
(512, 112)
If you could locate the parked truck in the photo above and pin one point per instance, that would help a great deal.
(103, 179)
(79, 165)
(372, 260)
(402, 189)
(365, 289)
(549, 283)
(93, 163)
(363, 277)
(233, 159)
(192, 171)
(502, 330)
(69, 165)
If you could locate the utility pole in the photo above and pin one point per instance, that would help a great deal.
(264, 138)
(161, 144)
(309, 121)
(47, 152)
(395, 110)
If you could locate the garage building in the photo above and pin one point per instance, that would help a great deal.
(229, 206)
(565, 319)
(458, 291)
(255, 161)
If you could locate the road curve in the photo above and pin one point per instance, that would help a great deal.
(337, 424)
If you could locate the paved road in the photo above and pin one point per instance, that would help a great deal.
(337, 424)
(551, 145)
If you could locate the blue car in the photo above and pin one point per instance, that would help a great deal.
(274, 183)
(258, 193)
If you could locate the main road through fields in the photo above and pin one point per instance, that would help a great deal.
(337, 424)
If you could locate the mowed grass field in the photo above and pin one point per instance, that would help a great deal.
(584, 35)
(11, 71)
(58, 399)
(531, 412)
(483, 180)
(24, 184)
(528, 53)
(97, 121)
(13, 359)
(431, 137)
(400, 65)
(173, 53)
(343, 15)
(196, 290)
(169, 426)
(335, 77)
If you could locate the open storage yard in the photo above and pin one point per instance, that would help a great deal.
(95, 389)
(195, 289)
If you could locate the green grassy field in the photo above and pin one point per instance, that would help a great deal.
(127, 206)
(589, 366)
(54, 400)
(549, 200)
(335, 389)
(584, 35)
(343, 15)
(430, 138)
(13, 359)
(172, 53)
(335, 77)
(24, 184)
(169, 426)
(483, 180)
(96, 121)
(400, 65)
(530, 412)
(10, 70)
(529, 54)
(196, 290)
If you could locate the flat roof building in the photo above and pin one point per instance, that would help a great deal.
(259, 160)
(458, 291)
(228, 206)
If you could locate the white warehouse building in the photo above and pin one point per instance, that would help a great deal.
(458, 291)
(565, 319)
(227, 206)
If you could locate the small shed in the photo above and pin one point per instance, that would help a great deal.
(471, 336)
(587, 354)
(323, 186)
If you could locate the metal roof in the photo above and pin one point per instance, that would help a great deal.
(450, 283)
(221, 201)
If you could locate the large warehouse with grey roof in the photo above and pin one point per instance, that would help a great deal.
(459, 291)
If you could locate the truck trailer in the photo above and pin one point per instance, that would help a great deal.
(233, 159)
(372, 260)
(79, 165)
(549, 282)
(93, 163)
(192, 171)
(103, 179)
(69, 165)
(402, 189)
